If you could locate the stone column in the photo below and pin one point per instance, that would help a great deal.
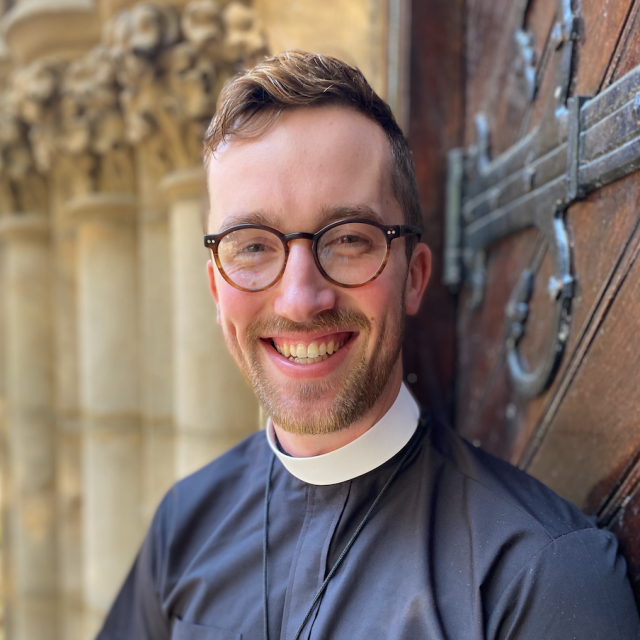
(213, 406)
(30, 425)
(109, 397)
(156, 379)
(68, 434)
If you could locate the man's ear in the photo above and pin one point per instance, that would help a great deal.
(417, 279)
(212, 288)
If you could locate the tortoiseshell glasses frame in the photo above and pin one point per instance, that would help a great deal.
(390, 232)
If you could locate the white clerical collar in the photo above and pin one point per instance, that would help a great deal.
(372, 449)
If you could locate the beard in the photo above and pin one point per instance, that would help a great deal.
(317, 407)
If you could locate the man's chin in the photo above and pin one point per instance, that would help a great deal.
(303, 408)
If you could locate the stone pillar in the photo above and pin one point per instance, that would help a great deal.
(213, 406)
(109, 397)
(156, 379)
(68, 435)
(30, 425)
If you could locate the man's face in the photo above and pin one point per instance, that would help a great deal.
(311, 167)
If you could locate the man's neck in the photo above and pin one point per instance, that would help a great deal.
(306, 446)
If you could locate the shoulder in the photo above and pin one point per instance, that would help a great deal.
(575, 586)
(542, 566)
(194, 507)
(501, 490)
(220, 483)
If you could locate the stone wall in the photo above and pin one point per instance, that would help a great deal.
(115, 380)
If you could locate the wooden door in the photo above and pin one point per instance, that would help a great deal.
(543, 245)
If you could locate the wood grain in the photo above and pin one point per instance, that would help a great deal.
(592, 225)
(603, 22)
(481, 350)
(595, 430)
(437, 72)
(627, 56)
(511, 107)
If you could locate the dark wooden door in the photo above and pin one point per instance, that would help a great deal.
(543, 245)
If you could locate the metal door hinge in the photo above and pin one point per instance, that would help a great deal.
(580, 145)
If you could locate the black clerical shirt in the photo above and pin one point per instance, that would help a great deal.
(461, 547)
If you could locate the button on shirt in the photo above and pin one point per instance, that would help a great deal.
(461, 547)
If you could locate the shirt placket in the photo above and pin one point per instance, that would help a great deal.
(325, 505)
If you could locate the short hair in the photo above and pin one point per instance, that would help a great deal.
(251, 101)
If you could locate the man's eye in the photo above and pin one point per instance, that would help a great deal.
(350, 241)
(255, 248)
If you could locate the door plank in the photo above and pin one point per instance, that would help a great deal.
(510, 108)
(489, 37)
(603, 23)
(435, 126)
(593, 224)
(578, 453)
(484, 329)
(626, 526)
(628, 54)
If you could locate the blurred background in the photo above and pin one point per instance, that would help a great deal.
(114, 377)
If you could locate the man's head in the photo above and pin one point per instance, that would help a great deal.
(300, 142)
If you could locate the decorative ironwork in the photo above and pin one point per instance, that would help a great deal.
(580, 145)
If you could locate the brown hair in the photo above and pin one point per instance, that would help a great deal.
(250, 102)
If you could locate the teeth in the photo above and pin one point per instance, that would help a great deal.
(302, 354)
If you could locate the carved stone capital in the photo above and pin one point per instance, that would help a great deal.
(64, 29)
(172, 67)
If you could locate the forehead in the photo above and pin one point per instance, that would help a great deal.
(308, 163)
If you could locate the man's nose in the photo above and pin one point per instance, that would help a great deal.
(303, 291)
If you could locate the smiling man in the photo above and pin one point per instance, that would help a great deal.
(355, 516)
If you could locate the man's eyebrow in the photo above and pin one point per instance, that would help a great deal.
(327, 216)
(331, 214)
(250, 217)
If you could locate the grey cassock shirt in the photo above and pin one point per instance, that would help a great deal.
(461, 547)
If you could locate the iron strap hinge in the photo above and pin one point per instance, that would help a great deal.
(579, 145)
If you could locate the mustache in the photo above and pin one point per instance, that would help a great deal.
(329, 320)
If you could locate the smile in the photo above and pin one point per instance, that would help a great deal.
(310, 352)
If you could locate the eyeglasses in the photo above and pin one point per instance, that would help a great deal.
(348, 253)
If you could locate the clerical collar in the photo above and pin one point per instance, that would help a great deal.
(372, 449)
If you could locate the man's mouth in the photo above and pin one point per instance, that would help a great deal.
(310, 351)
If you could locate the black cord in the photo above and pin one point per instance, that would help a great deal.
(267, 491)
(338, 562)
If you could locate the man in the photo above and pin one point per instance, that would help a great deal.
(356, 517)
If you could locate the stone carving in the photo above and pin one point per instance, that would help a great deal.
(22, 187)
(33, 93)
(172, 67)
(153, 83)
(93, 125)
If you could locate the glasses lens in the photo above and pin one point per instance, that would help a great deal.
(352, 253)
(251, 258)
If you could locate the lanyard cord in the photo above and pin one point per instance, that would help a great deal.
(338, 562)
